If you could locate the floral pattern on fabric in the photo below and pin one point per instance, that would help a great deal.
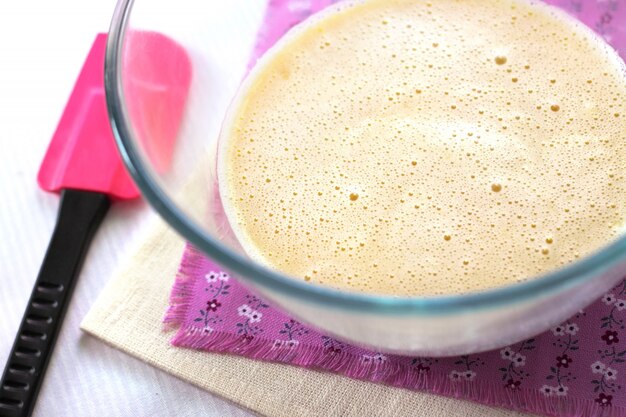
(613, 354)
(579, 364)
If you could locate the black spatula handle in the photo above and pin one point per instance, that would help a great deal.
(80, 214)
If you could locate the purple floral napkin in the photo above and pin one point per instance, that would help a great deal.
(575, 369)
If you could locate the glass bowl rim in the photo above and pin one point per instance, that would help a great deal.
(247, 270)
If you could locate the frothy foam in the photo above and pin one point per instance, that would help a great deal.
(413, 148)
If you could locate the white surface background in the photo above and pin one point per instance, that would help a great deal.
(42, 47)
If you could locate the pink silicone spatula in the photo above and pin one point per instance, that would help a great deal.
(84, 166)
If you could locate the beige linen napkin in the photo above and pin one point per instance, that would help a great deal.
(128, 315)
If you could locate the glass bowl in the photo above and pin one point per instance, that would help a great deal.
(167, 103)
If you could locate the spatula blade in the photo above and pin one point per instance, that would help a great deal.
(82, 154)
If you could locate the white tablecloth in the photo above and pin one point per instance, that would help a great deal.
(42, 46)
